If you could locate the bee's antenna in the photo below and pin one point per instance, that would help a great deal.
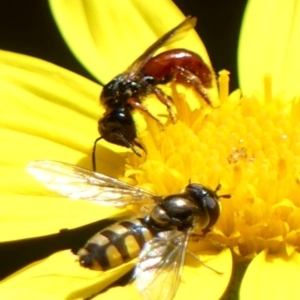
(126, 142)
(94, 152)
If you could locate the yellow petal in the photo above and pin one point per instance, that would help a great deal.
(107, 37)
(59, 277)
(26, 216)
(46, 113)
(197, 282)
(200, 282)
(269, 43)
(46, 102)
(270, 277)
(125, 293)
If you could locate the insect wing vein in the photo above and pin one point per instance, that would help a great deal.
(159, 269)
(78, 183)
(169, 37)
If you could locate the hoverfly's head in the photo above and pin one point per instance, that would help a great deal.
(208, 203)
(118, 127)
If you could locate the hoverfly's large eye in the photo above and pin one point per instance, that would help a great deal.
(208, 202)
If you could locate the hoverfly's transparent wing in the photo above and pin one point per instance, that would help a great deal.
(78, 183)
(159, 269)
(169, 37)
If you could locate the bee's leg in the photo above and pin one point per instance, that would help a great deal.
(136, 104)
(135, 143)
(187, 78)
(166, 100)
(131, 145)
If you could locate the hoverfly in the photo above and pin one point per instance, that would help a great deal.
(126, 91)
(158, 238)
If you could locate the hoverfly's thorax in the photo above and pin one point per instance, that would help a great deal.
(174, 212)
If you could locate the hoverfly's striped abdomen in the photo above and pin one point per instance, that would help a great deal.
(115, 245)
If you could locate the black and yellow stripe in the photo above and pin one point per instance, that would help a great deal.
(115, 245)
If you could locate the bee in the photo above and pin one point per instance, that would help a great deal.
(158, 238)
(126, 91)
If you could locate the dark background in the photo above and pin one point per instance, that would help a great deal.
(26, 26)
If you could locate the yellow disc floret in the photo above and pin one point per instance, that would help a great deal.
(249, 145)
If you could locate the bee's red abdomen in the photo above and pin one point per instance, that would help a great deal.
(164, 66)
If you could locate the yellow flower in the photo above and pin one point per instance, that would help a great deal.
(50, 113)
(268, 221)
(250, 144)
(269, 43)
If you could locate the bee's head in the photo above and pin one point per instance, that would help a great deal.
(118, 127)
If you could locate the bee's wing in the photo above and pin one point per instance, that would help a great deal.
(169, 37)
(78, 183)
(159, 269)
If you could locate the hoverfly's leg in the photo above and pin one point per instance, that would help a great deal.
(198, 237)
(135, 104)
(203, 263)
(166, 100)
(187, 78)
(195, 237)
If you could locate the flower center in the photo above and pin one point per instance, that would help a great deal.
(249, 145)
